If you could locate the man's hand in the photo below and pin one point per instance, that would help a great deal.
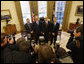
(52, 62)
(2, 44)
(36, 61)
(78, 43)
(4, 41)
(43, 33)
(53, 34)
(49, 32)
(31, 32)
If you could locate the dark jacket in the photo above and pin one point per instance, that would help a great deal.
(37, 28)
(46, 27)
(55, 28)
(13, 55)
(28, 29)
(77, 53)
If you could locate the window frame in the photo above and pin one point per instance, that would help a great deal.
(40, 8)
(24, 13)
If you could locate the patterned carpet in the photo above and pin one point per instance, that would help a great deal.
(63, 41)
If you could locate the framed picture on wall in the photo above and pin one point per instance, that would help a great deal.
(5, 14)
(79, 10)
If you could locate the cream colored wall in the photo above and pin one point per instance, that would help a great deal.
(73, 18)
(11, 6)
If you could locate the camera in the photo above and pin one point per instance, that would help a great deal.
(31, 49)
(9, 36)
(33, 43)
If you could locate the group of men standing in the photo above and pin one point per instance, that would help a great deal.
(44, 28)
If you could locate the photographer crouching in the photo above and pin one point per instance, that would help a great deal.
(75, 44)
(7, 46)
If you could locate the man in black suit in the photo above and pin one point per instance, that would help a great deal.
(28, 26)
(37, 28)
(46, 29)
(54, 31)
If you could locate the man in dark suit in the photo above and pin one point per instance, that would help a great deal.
(28, 26)
(37, 28)
(54, 31)
(46, 29)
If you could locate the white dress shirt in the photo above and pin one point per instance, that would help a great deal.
(46, 22)
(55, 23)
(37, 22)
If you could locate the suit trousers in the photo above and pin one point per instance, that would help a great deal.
(46, 36)
(53, 37)
(36, 38)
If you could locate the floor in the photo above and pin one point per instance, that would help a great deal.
(63, 41)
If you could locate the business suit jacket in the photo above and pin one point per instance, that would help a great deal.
(46, 27)
(37, 28)
(28, 29)
(55, 28)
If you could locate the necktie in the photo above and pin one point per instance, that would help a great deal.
(54, 24)
(37, 23)
(29, 27)
(46, 24)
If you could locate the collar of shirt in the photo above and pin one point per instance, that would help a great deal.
(55, 23)
(46, 22)
(27, 23)
(37, 22)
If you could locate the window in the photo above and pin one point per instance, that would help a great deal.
(25, 7)
(42, 8)
(59, 10)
